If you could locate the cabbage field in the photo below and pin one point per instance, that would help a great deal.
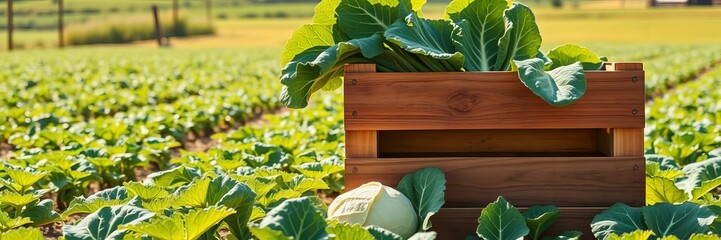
(194, 144)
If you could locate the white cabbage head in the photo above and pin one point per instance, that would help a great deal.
(377, 205)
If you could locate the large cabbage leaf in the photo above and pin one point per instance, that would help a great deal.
(567, 54)
(660, 189)
(105, 223)
(521, 39)
(294, 218)
(42, 213)
(225, 191)
(479, 28)
(680, 220)
(618, 219)
(426, 190)
(429, 39)
(701, 177)
(676, 221)
(22, 233)
(190, 225)
(363, 18)
(540, 218)
(318, 60)
(108, 197)
(7, 223)
(500, 220)
(559, 87)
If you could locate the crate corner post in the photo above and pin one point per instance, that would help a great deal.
(360, 144)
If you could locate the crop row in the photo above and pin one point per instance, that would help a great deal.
(292, 154)
(60, 101)
(670, 70)
(666, 65)
(683, 147)
(638, 52)
(686, 124)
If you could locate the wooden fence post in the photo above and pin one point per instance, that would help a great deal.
(61, 40)
(175, 15)
(158, 31)
(208, 11)
(10, 25)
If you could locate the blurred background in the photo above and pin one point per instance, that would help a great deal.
(40, 24)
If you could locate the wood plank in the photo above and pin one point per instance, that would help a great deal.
(488, 100)
(457, 223)
(397, 143)
(524, 181)
(361, 144)
(621, 142)
(624, 66)
(359, 68)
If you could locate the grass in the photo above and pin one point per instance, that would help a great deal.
(30, 39)
(129, 30)
(670, 26)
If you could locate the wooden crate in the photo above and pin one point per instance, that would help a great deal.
(493, 137)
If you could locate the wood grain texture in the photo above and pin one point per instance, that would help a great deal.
(604, 141)
(524, 181)
(624, 66)
(457, 223)
(488, 100)
(621, 142)
(359, 68)
(628, 142)
(361, 144)
(557, 141)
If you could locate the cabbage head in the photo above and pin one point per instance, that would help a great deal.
(377, 205)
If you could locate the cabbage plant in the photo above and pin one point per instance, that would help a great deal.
(377, 205)
(475, 35)
(404, 211)
(664, 220)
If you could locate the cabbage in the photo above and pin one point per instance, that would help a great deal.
(377, 205)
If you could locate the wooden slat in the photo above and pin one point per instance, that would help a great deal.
(621, 142)
(361, 144)
(557, 141)
(529, 181)
(457, 223)
(359, 68)
(488, 100)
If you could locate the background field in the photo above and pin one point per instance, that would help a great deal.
(244, 25)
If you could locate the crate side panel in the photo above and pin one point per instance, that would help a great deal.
(489, 100)
(524, 181)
